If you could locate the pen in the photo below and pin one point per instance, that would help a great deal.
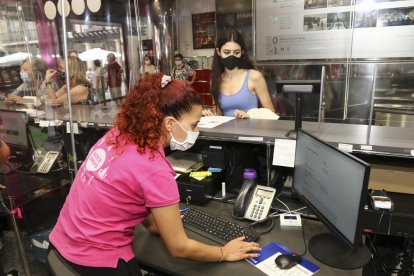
(184, 209)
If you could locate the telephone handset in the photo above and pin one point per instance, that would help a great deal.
(254, 201)
(45, 162)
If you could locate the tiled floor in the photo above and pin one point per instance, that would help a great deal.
(10, 258)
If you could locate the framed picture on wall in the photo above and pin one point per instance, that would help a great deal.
(204, 30)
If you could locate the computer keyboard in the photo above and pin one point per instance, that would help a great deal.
(215, 228)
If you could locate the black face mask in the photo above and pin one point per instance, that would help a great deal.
(61, 75)
(231, 62)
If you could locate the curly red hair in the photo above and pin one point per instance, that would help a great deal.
(145, 106)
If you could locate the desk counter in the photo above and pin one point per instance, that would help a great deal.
(386, 140)
(152, 253)
(380, 139)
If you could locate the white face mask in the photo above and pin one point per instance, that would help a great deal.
(24, 76)
(187, 143)
(178, 62)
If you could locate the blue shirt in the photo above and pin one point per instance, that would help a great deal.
(243, 100)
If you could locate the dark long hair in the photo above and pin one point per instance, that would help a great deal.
(218, 69)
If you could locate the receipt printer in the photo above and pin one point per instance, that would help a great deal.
(380, 201)
(198, 191)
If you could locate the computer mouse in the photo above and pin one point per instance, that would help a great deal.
(286, 261)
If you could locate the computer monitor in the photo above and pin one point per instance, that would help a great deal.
(333, 184)
(13, 131)
(13, 128)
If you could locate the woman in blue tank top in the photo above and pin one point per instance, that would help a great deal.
(236, 86)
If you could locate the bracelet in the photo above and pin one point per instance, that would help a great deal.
(222, 255)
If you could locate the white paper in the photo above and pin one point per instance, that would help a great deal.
(75, 128)
(43, 123)
(181, 161)
(249, 138)
(262, 113)
(284, 153)
(345, 147)
(213, 121)
(56, 123)
(366, 147)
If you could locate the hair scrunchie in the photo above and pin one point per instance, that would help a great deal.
(165, 80)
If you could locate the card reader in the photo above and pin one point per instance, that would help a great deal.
(290, 220)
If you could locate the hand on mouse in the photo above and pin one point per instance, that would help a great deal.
(238, 249)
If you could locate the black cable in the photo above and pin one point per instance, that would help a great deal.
(376, 254)
(267, 228)
(303, 237)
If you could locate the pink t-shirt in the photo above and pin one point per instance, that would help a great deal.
(111, 194)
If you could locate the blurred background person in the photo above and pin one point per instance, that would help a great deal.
(98, 82)
(148, 67)
(182, 71)
(114, 71)
(79, 86)
(32, 73)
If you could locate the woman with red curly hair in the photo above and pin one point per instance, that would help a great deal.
(126, 180)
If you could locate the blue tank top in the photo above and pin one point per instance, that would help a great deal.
(243, 100)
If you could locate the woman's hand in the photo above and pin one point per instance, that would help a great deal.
(13, 99)
(240, 114)
(53, 102)
(49, 74)
(207, 112)
(238, 249)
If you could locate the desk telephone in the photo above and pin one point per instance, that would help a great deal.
(47, 158)
(45, 162)
(254, 201)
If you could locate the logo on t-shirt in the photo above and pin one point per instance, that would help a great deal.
(96, 160)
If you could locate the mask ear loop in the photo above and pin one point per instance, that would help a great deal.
(186, 131)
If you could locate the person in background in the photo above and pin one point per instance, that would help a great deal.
(79, 86)
(4, 152)
(114, 71)
(183, 71)
(32, 73)
(148, 67)
(98, 83)
(126, 180)
(236, 86)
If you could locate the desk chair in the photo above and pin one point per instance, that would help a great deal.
(57, 265)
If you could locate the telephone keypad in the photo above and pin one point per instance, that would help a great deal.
(260, 203)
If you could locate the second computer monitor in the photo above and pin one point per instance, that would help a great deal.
(334, 185)
(13, 128)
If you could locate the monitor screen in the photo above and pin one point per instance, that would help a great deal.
(13, 128)
(333, 184)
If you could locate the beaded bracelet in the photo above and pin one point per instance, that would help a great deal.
(222, 255)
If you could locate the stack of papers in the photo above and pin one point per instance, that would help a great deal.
(213, 121)
(262, 113)
(266, 262)
(183, 161)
